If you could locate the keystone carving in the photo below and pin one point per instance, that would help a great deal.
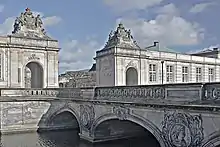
(182, 130)
(121, 112)
(33, 57)
(131, 64)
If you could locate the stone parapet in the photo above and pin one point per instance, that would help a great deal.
(193, 93)
(179, 93)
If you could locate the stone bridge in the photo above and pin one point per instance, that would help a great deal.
(177, 115)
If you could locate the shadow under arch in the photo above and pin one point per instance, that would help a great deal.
(64, 109)
(213, 140)
(149, 126)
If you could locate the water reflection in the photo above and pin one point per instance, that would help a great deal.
(63, 139)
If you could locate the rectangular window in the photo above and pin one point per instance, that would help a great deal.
(19, 75)
(185, 74)
(152, 73)
(170, 73)
(198, 74)
(211, 74)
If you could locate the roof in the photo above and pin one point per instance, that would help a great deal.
(163, 49)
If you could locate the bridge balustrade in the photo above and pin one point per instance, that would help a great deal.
(170, 93)
(55, 93)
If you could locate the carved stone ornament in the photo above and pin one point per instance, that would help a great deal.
(33, 57)
(28, 25)
(212, 93)
(121, 112)
(87, 116)
(121, 37)
(182, 130)
(131, 64)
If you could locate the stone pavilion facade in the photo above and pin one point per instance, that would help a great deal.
(28, 57)
(122, 62)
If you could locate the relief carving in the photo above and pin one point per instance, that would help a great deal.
(121, 112)
(87, 116)
(212, 93)
(182, 130)
(33, 57)
(22, 112)
(131, 64)
(122, 93)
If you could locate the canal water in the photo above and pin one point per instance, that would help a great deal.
(63, 139)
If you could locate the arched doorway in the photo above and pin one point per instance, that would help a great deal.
(33, 75)
(129, 133)
(131, 76)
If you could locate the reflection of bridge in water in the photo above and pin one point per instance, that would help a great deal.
(168, 115)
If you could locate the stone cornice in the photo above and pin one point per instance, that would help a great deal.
(21, 42)
(145, 54)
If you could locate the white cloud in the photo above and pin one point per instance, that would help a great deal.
(201, 7)
(51, 20)
(127, 5)
(168, 28)
(169, 9)
(2, 8)
(7, 26)
(76, 55)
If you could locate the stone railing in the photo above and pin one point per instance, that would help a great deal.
(47, 92)
(186, 92)
(28, 92)
(190, 92)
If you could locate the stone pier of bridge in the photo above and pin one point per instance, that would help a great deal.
(166, 115)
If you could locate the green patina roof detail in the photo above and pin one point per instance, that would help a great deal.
(163, 49)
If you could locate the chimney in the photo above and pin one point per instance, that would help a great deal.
(156, 44)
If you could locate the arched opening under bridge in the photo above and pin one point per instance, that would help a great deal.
(129, 133)
(64, 120)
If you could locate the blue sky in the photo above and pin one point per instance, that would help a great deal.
(82, 27)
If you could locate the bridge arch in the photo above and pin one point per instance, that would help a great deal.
(212, 140)
(146, 124)
(65, 109)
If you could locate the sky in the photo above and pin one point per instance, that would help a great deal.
(82, 27)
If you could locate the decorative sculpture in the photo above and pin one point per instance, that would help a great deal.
(121, 37)
(33, 57)
(121, 112)
(182, 130)
(29, 25)
(87, 116)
